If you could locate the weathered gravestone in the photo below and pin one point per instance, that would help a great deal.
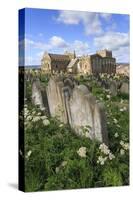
(78, 107)
(56, 99)
(113, 88)
(124, 89)
(39, 96)
(87, 117)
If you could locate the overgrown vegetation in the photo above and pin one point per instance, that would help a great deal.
(56, 158)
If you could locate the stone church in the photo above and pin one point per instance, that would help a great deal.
(100, 62)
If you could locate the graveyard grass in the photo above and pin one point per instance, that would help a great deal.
(56, 158)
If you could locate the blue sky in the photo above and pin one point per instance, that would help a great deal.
(58, 31)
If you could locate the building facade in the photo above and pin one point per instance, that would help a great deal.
(101, 62)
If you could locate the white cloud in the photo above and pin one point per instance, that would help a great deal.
(117, 42)
(112, 40)
(106, 16)
(91, 21)
(122, 55)
(58, 42)
(79, 47)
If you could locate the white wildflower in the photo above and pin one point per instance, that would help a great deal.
(121, 110)
(126, 146)
(39, 114)
(29, 118)
(115, 121)
(121, 101)
(118, 125)
(122, 151)
(28, 154)
(33, 112)
(43, 117)
(61, 125)
(111, 156)
(82, 152)
(64, 163)
(101, 160)
(121, 143)
(57, 169)
(42, 108)
(124, 108)
(104, 149)
(116, 135)
(35, 119)
(108, 96)
(46, 122)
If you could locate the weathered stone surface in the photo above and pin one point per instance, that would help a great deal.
(87, 116)
(100, 125)
(56, 99)
(78, 107)
(39, 96)
(113, 88)
(124, 88)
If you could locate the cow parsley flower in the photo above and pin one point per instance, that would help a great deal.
(43, 117)
(111, 156)
(115, 121)
(108, 96)
(46, 122)
(42, 108)
(101, 160)
(121, 143)
(122, 152)
(64, 163)
(104, 149)
(126, 146)
(82, 152)
(28, 154)
(116, 135)
(61, 125)
(35, 119)
(29, 118)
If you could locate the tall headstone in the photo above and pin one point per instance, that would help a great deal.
(78, 107)
(113, 88)
(56, 99)
(39, 97)
(124, 88)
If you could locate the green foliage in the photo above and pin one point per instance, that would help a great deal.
(51, 158)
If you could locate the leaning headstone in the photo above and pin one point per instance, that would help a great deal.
(113, 88)
(100, 124)
(87, 117)
(56, 99)
(77, 107)
(39, 97)
(124, 88)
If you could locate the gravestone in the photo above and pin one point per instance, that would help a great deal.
(124, 89)
(100, 125)
(39, 97)
(85, 112)
(56, 99)
(77, 107)
(113, 88)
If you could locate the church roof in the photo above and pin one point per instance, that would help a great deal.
(59, 57)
